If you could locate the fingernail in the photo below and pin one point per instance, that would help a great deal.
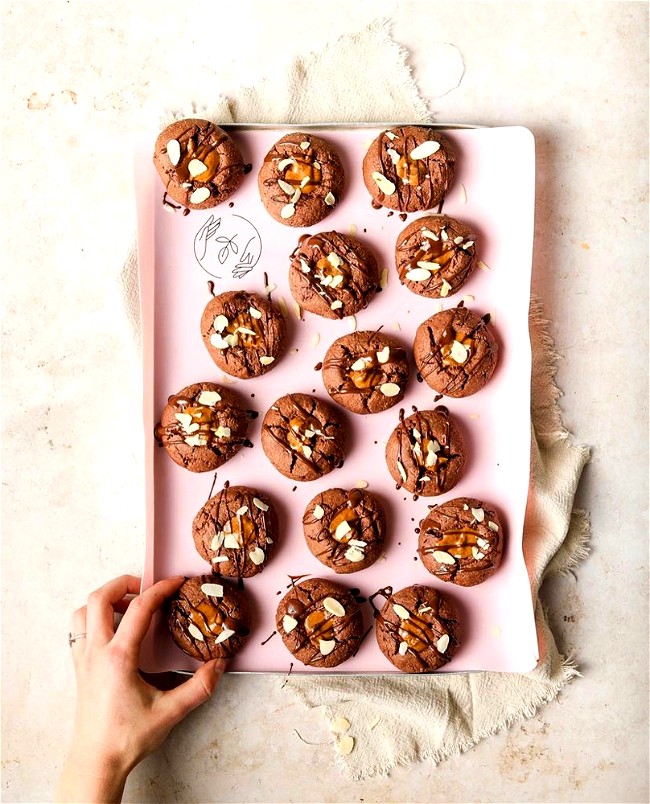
(220, 666)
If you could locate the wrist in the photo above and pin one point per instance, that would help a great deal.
(92, 774)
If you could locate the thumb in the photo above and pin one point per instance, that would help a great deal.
(179, 702)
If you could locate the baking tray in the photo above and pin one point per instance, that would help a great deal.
(493, 192)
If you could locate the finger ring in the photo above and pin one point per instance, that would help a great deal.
(74, 637)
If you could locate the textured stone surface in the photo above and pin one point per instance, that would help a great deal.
(78, 79)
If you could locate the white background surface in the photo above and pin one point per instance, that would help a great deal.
(75, 79)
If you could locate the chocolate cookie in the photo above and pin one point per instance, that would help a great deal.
(244, 334)
(345, 529)
(303, 437)
(320, 622)
(236, 531)
(409, 168)
(301, 180)
(461, 541)
(417, 629)
(455, 351)
(202, 426)
(332, 274)
(209, 619)
(366, 372)
(199, 163)
(425, 452)
(434, 255)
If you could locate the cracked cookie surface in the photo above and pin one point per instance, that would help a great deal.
(303, 437)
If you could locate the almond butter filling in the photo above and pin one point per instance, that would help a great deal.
(303, 174)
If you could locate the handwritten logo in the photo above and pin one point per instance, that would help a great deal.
(227, 246)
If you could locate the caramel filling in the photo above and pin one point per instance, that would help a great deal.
(417, 633)
(338, 531)
(247, 329)
(367, 377)
(459, 543)
(303, 174)
(411, 171)
(205, 153)
(301, 434)
(204, 424)
(207, 614)
(319, 625)
(239, 529)
(331, 271)
(455, 347)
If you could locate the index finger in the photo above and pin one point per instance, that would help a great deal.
(137, 617)
(99, 617)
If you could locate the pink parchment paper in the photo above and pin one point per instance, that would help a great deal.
(493, 192)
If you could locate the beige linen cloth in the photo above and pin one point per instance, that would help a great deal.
(398, 719)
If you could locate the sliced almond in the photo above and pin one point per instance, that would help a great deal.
(483, 266)
(332, 605)
(246, 331)
(345, 745)
(288, 623)
(342, 529)
(259, 504)
(326, 646)
(242, 510)
(297, 310)
(493, 526)
(418, 274)
(337, 280)
(403, 647)
(286, 188)
(231, 541)
(266, 360)
(478, 514)
(390, 389)
(225, 634)
(355, 555)
(197, 440)
(358, 365)
(305, 145)
(174, 152)
(220, 323)
(314, 340)
(442, 557)
(477, 554)
(459, 352)
(385, 185)
(357, 543)
(185, 419)
(209, 398)
(445, 288)
(391, 135)
(383, 279)
(318, 512)
(307, 451)
(220, 559)
(257, 556)
(336, 304)
(383, 355)
(431, 235)
(194, 631)
(397, 325)
(218, 342)
(296, 195)
(199, 195)
(330, 200)
(217, 541)
(304, 266)
(352, 322)
(212, 589)
(339, 725)
(195, 167)
(463, 194)
(284, 163)
(443, 643)
(483, 544)
(374, 722)
(361, 484)
(394, 156)
(401, 470)
(425, 149)
(283, 307)
(223, 432)
(287, 211)
(254, 312)
(401, 612)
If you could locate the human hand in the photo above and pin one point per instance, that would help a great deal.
(119, 717)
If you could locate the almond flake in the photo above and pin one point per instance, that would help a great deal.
(257, 556)
(241, 511)
(336, 281)
(468, 244)
(225, 634)
(394, 156)
(314, 340)
(270, 288)
(304, 266)
(212, 589)
(426, 149)
(374, 722)
(361, 484)
(478, 514)
(342, 530)
(463, 194)
(288, 623)
(442, 557)
(443, 643)
(169, 208)
(383, 279)
(195, 632)
(284, 163)
(195, 167)
(403, 647)
(318, 512)
(458, 240)
(286, 188)
(217, 541)
(357, 543)
(352, 229)
(352, 322)
(296, 195)
(283, 307)
(306, 451)
(390, 135)
(431, 235)
(326, 646)
(402, 471)
(418, 274)
(493, 526)
(305, 181)
(345, 744)
(444, 290)
(483, 266)
(195, 440)
(305, 145)
(208, 398)
(218, 342)
(266, 360)
(355, 555)
(396, 325)
(477, 554)
(334, 260)
(459, 352)
(401, 612)
(199, 195)
(174, 152)
(254, 313)
(223, 432)
(424, 609)
(358, 365)
(385, 185)
(246, 331)
(468, 299)
(339, 725)
(220, 559)
(334, 607)
(185, 419)
(330, 200)
(475, 415)
(383, 355)
(483, 544)
(390, 389)
(336, 304)
(231, 541)
(287, 211)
